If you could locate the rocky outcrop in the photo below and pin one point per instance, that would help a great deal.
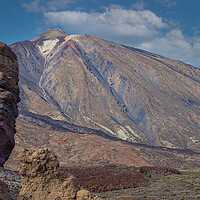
(42, 178)
(9, 97)
(4, 191)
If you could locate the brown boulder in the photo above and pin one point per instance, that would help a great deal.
(42, 178)
(9, 97)
(84, 195)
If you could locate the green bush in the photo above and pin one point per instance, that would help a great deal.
(141, 170)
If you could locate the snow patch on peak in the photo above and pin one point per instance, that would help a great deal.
(47, 46)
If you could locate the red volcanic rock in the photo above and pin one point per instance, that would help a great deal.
(7, 52)
(9, 96)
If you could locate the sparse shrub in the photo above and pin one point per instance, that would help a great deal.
(173, 195)
(197, 197)
(108, 178)
(190, 185)
(197, 189)
(141, 170)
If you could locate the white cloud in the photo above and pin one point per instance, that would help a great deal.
(58, 4)
(117, 24)
(139, 5)
(45, 5)
(176, 46)
(167, 3)
(32, 6)
(138, 28)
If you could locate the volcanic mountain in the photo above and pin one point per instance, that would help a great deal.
(86, 85)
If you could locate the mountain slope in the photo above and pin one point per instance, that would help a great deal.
(81, 94)
(125, 92)
(80, 84)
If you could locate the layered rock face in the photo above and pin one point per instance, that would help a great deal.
(42, 179)
(9, 97)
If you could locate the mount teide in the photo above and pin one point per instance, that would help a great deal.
(83, 84)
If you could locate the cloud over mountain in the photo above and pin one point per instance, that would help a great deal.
(175, 45)
(116, 23)
(139, 28)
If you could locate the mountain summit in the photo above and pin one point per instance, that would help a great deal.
(84, 84)
(50, 34)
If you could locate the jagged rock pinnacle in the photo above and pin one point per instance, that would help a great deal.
(42, 178)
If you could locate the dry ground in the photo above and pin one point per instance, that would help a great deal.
(185, 186)
(172, 187)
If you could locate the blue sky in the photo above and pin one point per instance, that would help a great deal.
(168, 27)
